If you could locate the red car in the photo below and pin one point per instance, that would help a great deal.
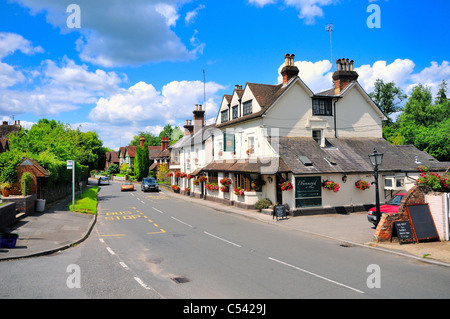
(391, 207)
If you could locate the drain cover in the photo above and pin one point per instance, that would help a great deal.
(180, 280)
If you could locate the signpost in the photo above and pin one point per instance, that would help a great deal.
(71, 165)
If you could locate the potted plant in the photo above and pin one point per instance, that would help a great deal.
(5, 187)
(202, 179)
(212, 186)
(250, 151)
(362, 185)
(331, 185)
(187, 190)
(175, 188)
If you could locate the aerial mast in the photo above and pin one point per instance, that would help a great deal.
(329, 28)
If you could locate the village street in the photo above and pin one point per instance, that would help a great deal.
(152, 245)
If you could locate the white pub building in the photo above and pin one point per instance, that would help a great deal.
(309, 151)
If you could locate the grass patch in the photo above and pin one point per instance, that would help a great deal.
(86, 202)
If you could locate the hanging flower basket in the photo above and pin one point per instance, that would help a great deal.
(286, 186)
(169, 174)
(183, 175)
(189, 176)
(202, 179)
(331, 185)
(362, 185)
(175, 188)
(250, 151)
(195, 182)
(178, 174)
(224, 189)
(225, 181)
(239, 191)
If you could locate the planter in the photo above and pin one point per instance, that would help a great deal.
(40, 205)
(5, 192)
(8, 240)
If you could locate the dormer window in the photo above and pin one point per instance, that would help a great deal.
(235, 112)
(224, 116)
(247, 108)
(322, 107)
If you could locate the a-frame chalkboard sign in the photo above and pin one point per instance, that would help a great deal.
(402, 230)
(279, 211)
(422, 222)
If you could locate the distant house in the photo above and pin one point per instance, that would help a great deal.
(5, 130)
(111, 158)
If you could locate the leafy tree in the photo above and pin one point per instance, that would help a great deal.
(441, 96)
(388, 97)
(423, 124)
(141, 162)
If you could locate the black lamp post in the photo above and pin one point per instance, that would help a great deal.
(376, 159)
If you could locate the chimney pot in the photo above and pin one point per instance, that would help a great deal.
(289, 70)
(344, 75)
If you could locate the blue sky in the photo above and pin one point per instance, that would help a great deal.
(137, 65)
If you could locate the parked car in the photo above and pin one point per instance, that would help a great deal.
(391, 207)
(127, 186)
(149, 184)
(103, 180)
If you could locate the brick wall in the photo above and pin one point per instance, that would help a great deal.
(384, 228)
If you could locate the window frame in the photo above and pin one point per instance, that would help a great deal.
(247, 107)
(325, 109)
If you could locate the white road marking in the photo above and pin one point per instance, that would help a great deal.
(123, 265)
(315, 275)
(158, 210)
(110, 251)
(141, 282)
(181, 221)
(227, 241)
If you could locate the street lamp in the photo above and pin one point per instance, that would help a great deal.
(376, 159)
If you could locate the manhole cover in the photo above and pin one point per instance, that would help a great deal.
(180, 280)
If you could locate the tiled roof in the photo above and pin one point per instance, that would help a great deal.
(265, 95)
(351, 155)
(267, 165)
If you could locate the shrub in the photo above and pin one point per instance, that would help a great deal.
(262, 203)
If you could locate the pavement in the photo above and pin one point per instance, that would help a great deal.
(57, 229)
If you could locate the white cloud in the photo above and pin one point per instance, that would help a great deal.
(433, 75)
(121, 32)
(11, 42)
(399, 71)
(191, 15)
(309, 10)
(316, 75)
(142, 103)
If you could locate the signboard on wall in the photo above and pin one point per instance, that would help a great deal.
(308, 191)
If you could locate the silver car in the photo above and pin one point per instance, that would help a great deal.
(103, 180)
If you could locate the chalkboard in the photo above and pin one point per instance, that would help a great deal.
(422, 222)
(403, 231)
(279, 211)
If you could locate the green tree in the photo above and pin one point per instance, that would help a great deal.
(441, 96)
(423, 124)
(388, 97)
(141, 162)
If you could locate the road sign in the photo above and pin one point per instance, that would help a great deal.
(69, 164)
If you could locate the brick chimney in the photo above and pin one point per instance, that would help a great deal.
(344, 75)
(188, 128)
(164, 143)
(289, 70)
(142, 141)
(199, 118)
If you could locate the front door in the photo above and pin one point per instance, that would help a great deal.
(278, 190)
